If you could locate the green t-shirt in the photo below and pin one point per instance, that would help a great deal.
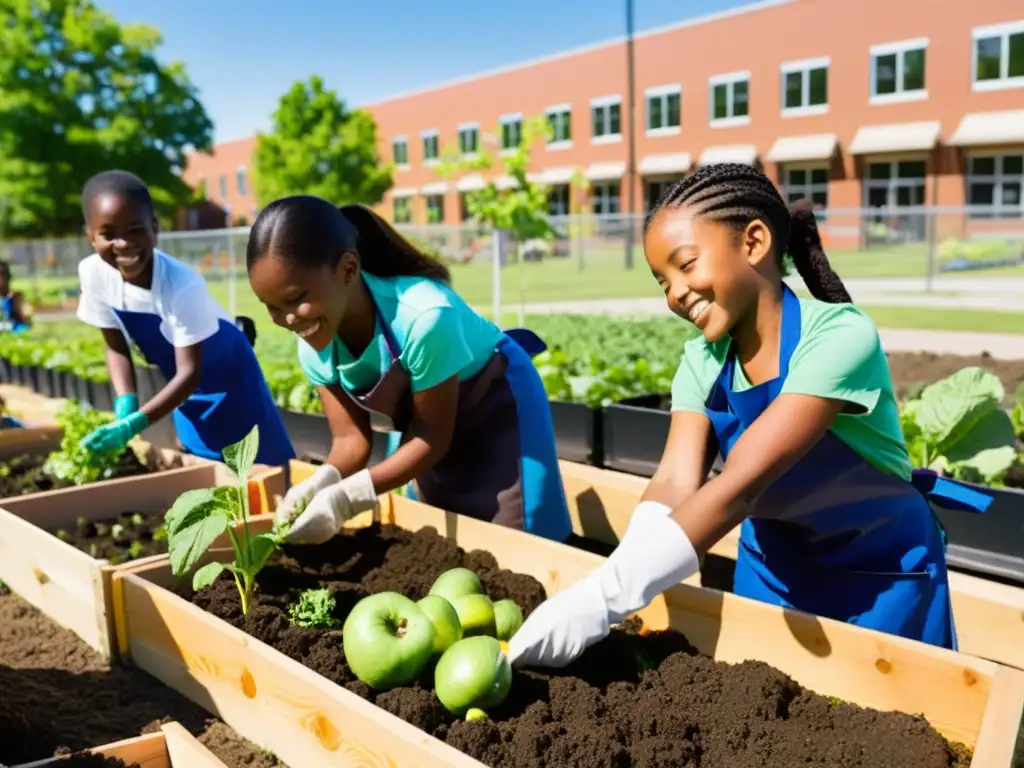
(438, 334)
(839, 356)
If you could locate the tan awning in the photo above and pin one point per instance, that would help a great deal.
(472, 183)
(981, 128)
(505, 182)
(896, 137)
(434, 188)
(606, 171)
(675, 162)
(403, 192)
(798, 149)
(729, 153)
(561, 175)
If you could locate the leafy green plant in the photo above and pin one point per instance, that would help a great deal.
(199, 516)
(315, 608)
(73, 462)
(957, 427)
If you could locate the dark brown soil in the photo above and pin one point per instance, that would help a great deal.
(23, 474)
(912, 371)
(629, 701)
(128, 536)
(58, 696)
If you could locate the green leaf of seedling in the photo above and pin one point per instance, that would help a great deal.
(261, 547)
(241, 456)
(185, 503)
(206, 575)
(196, 533)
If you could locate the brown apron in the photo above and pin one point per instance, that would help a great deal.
(481, 474)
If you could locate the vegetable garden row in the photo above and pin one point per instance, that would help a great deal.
(383, 646)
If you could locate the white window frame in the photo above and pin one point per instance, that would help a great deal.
(728, 79)
(1003, 31)
(597, 200)
(605, 103)
(404, 140)
(243, 177)
(804, 67)
(997, 180)
(511, 117)
(900, 48)
(663, 92)
(894, 182)
(430, 133)
(556, 109)
(222, 186)
(463, 128)
(427, 199)
(404, 201)
(809, 187)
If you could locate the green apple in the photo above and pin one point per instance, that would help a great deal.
(388, 640)
(473, 674)
(508, 618)
(476, 614)
(447, 627)
(457, 582)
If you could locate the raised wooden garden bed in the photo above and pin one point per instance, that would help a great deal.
(308, 720)
(989, 616)
(171, 747)
(53, 554)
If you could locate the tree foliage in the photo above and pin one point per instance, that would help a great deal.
(79, 94)
(319, 147)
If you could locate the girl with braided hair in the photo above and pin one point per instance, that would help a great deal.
(796, 396)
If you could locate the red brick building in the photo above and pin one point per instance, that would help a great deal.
(898, 102)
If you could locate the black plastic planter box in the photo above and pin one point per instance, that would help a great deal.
(990, 544)
(577, 432)
(634, 434)
(311, 437)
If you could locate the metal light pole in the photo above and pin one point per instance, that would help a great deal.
(630, 111)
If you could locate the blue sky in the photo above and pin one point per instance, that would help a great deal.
(243, 55)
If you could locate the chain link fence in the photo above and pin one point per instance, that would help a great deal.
(915, 250)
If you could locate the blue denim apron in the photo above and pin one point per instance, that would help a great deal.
(834, 536)
(8, 316)
(231, 398)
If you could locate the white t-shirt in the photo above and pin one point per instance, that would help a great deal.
(179, 296)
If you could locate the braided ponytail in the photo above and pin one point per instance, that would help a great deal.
(736, 194)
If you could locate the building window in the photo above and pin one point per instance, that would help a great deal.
(400, 150)
(730, 99)
(559, 119)
(435, 209)
(654, 189)
(664, 110)
(805, 87)
(996, 181)
(606, 119)
(810, 183)
(403, 210)
(464, 212)
(604, 197)
(558, 200)
(240, 180)
(999, 57)
(430, 152)
(898, 71)
(895, 185)
(469, 138)
(511, 131)
(222, 182)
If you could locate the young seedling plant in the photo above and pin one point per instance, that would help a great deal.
(198, 517)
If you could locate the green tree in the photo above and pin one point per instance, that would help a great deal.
(319, 147)
(80, 93)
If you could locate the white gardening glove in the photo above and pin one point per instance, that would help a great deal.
(654, 555)
(331, 507)
(303, 493)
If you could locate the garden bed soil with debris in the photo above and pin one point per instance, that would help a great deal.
(59, 696)
(129, 536)
(631, 700)
(22, 475)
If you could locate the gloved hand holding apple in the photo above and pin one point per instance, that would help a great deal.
(654, 555)
(389, 639)
(334, 500)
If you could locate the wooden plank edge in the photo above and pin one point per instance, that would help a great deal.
(149, 750)
(185, 751)
(999, 741)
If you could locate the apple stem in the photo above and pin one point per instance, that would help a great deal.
(400, 629)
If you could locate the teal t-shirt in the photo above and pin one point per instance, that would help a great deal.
(839, 356)
(439, 336)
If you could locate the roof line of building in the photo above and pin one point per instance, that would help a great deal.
(759, 5)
